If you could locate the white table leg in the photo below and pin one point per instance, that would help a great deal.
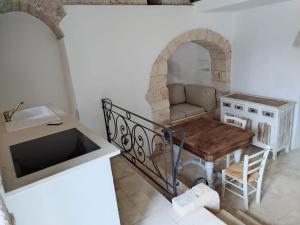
(237, 156)
(274, 154)
(287, 149)
(209, 167)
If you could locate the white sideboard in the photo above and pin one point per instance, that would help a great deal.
(271, 120)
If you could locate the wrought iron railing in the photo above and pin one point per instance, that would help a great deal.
(147, 145)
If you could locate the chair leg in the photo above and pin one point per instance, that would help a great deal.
(258, 192)
(223, 183)
(287, 149)
(245, 190)
(227, 160)
(274, 154)
(237, 155)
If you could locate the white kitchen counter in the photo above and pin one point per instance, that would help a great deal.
(11, 182)
(75, 192)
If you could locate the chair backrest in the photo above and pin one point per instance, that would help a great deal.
(235, 121)
(254, 163)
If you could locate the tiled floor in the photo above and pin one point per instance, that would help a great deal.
(280, 204)
(140, 204)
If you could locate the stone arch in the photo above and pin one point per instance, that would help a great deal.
(50, 12)
(220, 52)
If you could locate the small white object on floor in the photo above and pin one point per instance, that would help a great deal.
(199, 196)
(208, 197)
(185, 203)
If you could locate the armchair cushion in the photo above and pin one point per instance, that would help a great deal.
(187, 109)
(176, 94)
(201, 96)
(176, 115)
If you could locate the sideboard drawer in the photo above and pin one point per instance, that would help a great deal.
(268, 113)
(239, 107)
(227, 104)
(252, 110)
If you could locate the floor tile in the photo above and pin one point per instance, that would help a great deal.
(141, 204)
(158, 218)
(138, 201)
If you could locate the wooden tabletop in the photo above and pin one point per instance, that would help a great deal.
(260, 100)
(210, 139)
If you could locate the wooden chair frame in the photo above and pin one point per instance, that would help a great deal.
(237, 122)
(253, 163)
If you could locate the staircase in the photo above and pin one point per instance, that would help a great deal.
(238, 218)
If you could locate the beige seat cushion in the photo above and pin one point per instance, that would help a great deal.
(176, 115)
(236, 171)
(201, 96)
(176, 94)
(187, 109)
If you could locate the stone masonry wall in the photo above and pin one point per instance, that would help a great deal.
(105, 2)
(50, 12)
(127, 2)
(220, 52)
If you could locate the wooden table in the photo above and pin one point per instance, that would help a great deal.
(210, 140)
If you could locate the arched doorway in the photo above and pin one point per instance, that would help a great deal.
(220, 52)
(49, 12)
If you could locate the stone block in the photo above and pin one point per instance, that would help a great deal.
(218, 65)
(50, 12)
(163, 104)
(164, 93)
(221, 86)
(209, 35)
(219, 76)
(201, 34)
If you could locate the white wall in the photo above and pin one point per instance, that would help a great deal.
(111, 50)
(190, 64)
(32, 67)
(264, 59)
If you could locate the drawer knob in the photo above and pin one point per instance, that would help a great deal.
(252, 110)
(226, 104)
(238, 107)
(268, 114)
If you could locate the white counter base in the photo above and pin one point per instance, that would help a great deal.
(83, 195)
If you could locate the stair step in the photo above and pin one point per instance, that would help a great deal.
(229, 219)
(246, 218)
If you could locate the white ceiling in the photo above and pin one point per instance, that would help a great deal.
(231, 5)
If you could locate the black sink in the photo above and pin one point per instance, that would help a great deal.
(32, 156)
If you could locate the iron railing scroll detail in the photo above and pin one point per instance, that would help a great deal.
(147, 145)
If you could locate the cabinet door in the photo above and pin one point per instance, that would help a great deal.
(264, 133)
(284, 127)
(266, 127)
